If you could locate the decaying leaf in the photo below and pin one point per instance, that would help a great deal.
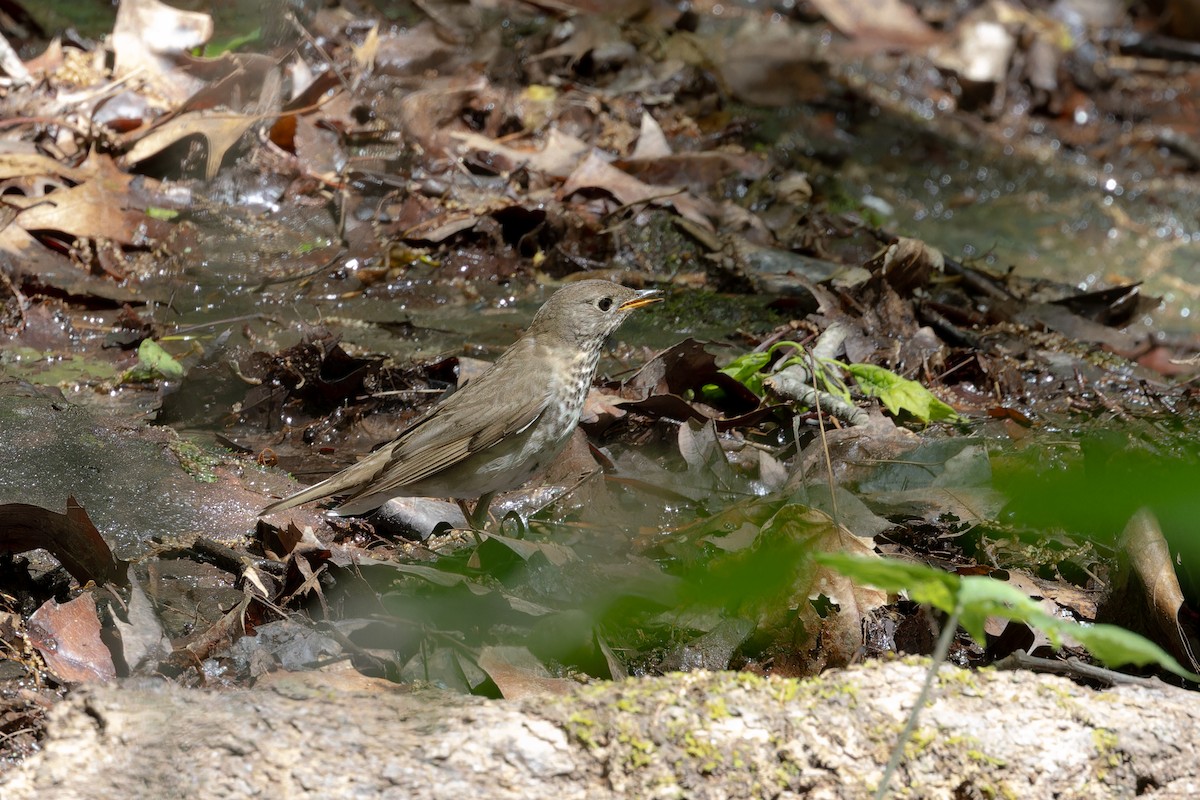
(68, 638)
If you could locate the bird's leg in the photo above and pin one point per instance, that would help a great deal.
(479, 515)
(477, 518)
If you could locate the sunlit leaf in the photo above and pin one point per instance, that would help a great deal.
(746, 369)
(900, 394)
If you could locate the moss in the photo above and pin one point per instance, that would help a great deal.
(959, 677)
(628, 705)
(640, 752)
(705, 753)
(582, 729)
(981, 757)
(832, 690)
(919, 742)
(716, 708)
(195, 460)
(1106, 742)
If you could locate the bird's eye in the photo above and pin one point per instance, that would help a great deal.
(604, 303)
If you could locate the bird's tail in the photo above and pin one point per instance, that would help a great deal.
(334, 484)
(314, 492)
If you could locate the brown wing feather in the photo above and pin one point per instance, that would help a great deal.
(445, 436)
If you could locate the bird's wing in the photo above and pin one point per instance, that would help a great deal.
(450, 436)
(463, 424)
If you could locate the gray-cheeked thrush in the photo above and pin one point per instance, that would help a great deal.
(500, 429)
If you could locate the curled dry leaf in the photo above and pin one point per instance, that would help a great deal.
(1149, 556)
(71, 538)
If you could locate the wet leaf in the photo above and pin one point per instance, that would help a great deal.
(219, 130)
(553, 552)
(445, 666)
(155, 362)
(143, 642)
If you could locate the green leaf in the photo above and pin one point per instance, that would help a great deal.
(747, 370)
(900, 394)
(978, 598)
(154, 362)
(987, 597)
(218, 47)
(164, 214)
(1115, 646)
(925, 585)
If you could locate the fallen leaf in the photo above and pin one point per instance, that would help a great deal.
(518, 673)
(596, 173)
(71, 538)
(68, 638)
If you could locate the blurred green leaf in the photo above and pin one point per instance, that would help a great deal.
(219, 47)
(978, 598)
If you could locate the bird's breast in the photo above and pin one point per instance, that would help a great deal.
(570, 389)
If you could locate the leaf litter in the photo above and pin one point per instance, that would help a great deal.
(223, 244)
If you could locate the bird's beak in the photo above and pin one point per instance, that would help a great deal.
(644, 298)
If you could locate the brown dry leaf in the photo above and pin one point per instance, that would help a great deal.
(426, 114)
(71, 538)
(591, 34)
(768, 64)
(441, 227)
(1055, 597)
(1149, 555)
(881, 21)
(600, 404)
(907, 264)
(100, 207)
(651, 142)
(317, 147)
(596, 173)
(68, 638)
(220, 131)
(364, 54)
(146, 37)
(840, 636)
(700, 172)
(983, 46)
(559, 155)
(29, 165)
(517, 673)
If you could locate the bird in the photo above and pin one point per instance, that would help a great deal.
(498, 430)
